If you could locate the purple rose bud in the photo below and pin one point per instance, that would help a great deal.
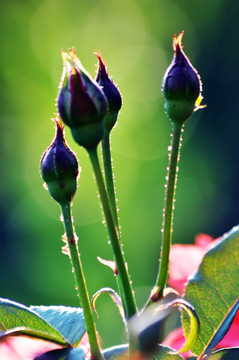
(181, 85)
(111, 92)
(59, 168)
(81, 102)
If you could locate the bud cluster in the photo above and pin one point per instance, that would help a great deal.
(90, 108)
(83, 102)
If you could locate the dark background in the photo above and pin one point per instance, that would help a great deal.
(135, 38)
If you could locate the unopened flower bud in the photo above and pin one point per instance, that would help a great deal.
(81, 102)
(181, 85)
(111, 92)
(59, 168)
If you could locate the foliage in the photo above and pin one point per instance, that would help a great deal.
(213, 291)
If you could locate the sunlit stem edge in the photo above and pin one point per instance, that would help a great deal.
(80, 282)
(109, 177)
(167, 228)
(110, 188)
(128, 295)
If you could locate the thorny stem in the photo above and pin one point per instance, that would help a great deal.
(167, 228)
(80, 282)
(128, 296)
(109, 177)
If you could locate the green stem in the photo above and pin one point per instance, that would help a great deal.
(109, 177)
(80, 282)
(171, 178)
(128, 297)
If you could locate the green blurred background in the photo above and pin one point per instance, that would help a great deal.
(135, 38)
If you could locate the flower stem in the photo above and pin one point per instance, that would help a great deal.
(174, 155)
(80, 282)
(128, 296)
(109, 177)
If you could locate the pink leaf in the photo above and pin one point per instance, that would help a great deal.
(185, 260)
(24, 348)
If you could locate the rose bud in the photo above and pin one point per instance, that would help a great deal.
(111, 92)
(81, 102)
(59, 168)
(181, 85)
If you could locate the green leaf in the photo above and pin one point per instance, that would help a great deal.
(194, 323)
(21, 331)
(17, 319)
(115, 298)
(67, 320)
(213, 292)
(166, 353)
(148, 328)
(115, 351)
(121, 351)
(224, 354)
